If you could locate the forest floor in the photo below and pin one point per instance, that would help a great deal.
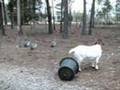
(25, 69)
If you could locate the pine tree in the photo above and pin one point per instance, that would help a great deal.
(65, 32)
(117, 10)
(1, 20)
(92, 18)
(49, 17)
(84, 18)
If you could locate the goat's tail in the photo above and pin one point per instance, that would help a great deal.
(71, 51)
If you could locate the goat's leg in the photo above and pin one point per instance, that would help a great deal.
(79, 63)
(80, 68)
(96, 63)
(93, 64)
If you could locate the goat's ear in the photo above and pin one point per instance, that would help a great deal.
(101, 42)
(95, 43)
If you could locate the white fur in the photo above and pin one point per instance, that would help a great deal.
(90, 52)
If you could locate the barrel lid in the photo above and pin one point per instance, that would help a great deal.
(66, 73)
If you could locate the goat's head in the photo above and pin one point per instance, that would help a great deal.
(99, 41)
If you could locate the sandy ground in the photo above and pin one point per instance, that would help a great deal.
(25, 69)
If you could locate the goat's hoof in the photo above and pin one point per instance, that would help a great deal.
(96, 68)
(79, 70)
(93, 66)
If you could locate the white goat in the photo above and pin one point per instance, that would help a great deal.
(90, 52)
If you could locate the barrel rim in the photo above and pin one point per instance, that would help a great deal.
(70, 59)
(69, 69)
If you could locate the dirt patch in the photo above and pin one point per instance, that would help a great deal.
(25, 69)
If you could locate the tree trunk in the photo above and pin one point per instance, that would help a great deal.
(4, 13)
(84, 19)
(33, 7)
(108, 20)
(20, 32)
(49, 17)
(53, 15)
(61, 17)
(70, 20)
(92, 18)
(1, 21)
(33, 12)
(12, 19)
(11, 15)
(65, 34)
(93, 13)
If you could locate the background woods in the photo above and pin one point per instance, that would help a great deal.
(27, 11)
(36, 34)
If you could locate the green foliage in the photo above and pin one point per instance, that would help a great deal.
(118, 10)
(59, 12)
(77, 16)
(105, 10)
(108, 6)
(100, 1)
(28, 10)
(11, 5)
(70, 17)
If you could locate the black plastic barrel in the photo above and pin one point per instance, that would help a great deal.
(68, 68)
